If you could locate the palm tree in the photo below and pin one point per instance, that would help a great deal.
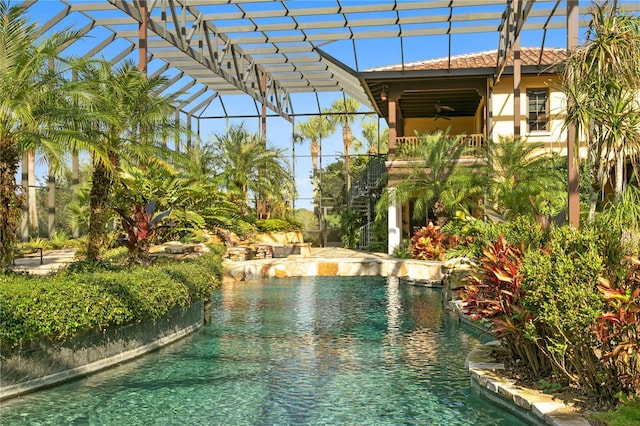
(601, 80)
(314, 130)
(129, 119)
(522, 179)
(342, 113)
(378, 144)
(31, 102)
(435, 176)
(246, 165)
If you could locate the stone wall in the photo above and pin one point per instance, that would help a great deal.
(280, 237)
(414, 270)
(42, 364)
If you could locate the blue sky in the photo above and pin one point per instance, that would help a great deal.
(370, 53)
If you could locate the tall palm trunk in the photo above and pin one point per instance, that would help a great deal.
(33, 208)
(99, 206)
(315, 150)
(346, 139)
(619, 186)
(10, 201)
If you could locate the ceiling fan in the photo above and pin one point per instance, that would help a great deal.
(439, 108)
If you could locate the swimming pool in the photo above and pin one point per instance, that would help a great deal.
(303, 351)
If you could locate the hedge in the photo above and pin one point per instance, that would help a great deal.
(69, 303)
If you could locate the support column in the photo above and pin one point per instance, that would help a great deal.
(188, 133)
(24, 226)
(393, 131)
(488, 114)
(75, 181)
(263, 114)
(394, 223)
(32, 201)
(142, 37)
(573, 178)
(176, 138)
(517, 63)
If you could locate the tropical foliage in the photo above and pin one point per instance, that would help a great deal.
(430, 243)
(435, 176)
(601, 81)
(562, 307)
(522, 179)
(377, 139)
(32, 107)
(343, 113)
(245, 167)
(128, 118)
(140, 228)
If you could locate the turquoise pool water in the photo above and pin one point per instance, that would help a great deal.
(309, 351)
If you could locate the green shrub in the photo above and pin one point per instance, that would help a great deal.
(402, 251)
(560, 289)
(93, 296)
(55, 308)
(615, 244)
(524, 231)
(474, 235)
(350, 224)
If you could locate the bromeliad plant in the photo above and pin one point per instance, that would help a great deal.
(141, 227)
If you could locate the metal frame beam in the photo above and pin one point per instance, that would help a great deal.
(177, 25)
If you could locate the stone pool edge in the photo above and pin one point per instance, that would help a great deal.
(534, 406)
(418, 271)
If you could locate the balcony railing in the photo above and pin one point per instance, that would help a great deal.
(406, 145)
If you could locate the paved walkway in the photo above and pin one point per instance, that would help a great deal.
(52, 260)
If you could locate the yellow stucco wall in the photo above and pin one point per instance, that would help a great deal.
(503, 110)
(459, 125)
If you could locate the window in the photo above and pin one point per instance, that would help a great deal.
(538, 116)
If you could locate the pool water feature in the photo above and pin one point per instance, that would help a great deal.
(303, 351)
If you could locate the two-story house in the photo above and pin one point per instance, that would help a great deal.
(466, 95)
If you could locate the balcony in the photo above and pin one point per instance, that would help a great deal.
(406, 146)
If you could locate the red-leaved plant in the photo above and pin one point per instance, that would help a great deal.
(619, 326)
(429, 243)
(497, 288)
(495, 294)
(141, 227)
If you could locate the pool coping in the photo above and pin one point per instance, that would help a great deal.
(534, 406)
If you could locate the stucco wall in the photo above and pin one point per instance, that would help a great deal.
(503, 110)
(459, 125)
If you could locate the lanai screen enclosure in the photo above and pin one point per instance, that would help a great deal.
(291, 59)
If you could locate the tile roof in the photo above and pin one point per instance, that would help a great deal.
(488, 59)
